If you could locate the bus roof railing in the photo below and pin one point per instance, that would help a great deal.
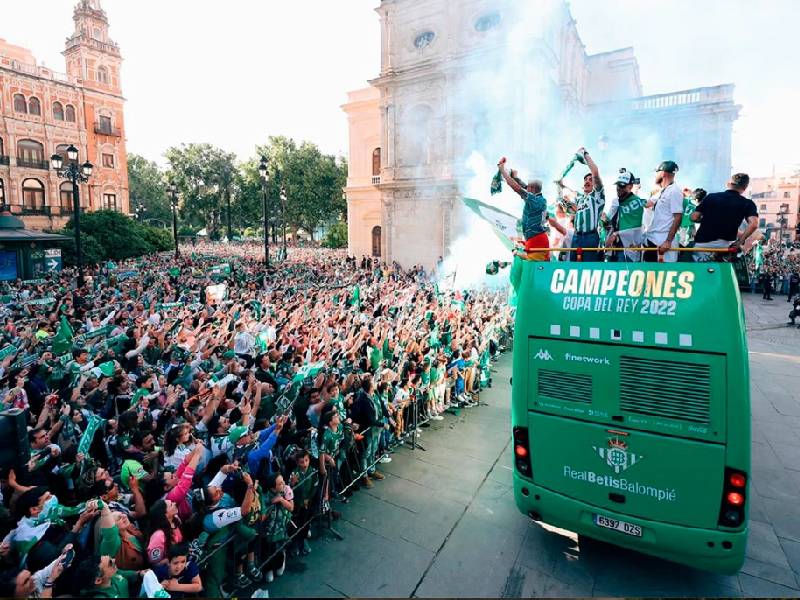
(732, 250)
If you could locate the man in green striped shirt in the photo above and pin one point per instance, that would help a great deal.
(587, 207)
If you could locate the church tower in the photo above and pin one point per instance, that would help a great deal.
(91, 55)
(94, 59)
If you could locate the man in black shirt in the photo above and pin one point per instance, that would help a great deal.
(721, 214)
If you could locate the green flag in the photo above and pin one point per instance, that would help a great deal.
(104, 369)
(309, 370)
(355, 300)
(758, 256)
(62, 340)
(7, 351)
(497, 183)
(503, 224)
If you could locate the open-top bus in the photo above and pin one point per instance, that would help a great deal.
(631, 406)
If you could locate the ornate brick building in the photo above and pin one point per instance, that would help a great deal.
(43, 112)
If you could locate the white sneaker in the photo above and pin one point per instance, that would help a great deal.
(385, 459)
(437, 418)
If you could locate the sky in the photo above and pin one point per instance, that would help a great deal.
(232, 73)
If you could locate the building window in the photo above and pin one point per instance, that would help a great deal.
(105, 124)
(65, 197)
(32, 194)
(487, 21)
(2, 194)
(30, 154)
(97, 34)
(20, 105)
(108, 161)
(376, 240)
(424, 39)
(102, 74)
(787, 195)
(34, 106)
(762, 223)
(1, 147)
(58, 111)
(110, 201)
(70, 113)
(763, 207)
(376, 162)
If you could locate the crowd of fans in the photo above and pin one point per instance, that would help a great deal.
(190, 424)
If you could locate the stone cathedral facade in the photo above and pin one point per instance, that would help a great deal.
(413, 128)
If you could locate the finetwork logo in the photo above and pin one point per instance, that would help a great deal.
(596, 360)
(543, 355)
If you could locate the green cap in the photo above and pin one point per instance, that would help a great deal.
(229, 354)
(131, 468)
(668, 166)
(237, 432)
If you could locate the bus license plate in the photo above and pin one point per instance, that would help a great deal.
(623, 526)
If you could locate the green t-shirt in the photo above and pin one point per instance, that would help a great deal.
(631, 211)
(331, 441)
(375, 357)
(119, 587)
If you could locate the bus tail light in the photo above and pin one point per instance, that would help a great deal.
(522, 455)
(734, 498)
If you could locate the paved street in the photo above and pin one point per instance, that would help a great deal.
(444, 523)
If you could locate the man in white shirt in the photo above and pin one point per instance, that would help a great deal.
(666, 216)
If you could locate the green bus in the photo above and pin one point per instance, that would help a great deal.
(631, 406)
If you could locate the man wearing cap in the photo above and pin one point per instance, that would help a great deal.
(667, 214)
(587, 208)
(720, 216)
(629, 210)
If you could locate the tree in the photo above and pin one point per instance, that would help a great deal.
(204, 176)
(312, 183)
(336, 236)
(146, 184)
(107, 234)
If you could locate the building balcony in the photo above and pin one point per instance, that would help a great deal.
(376, 180)
(29, 163)
(5, 159)
(38, 210)
(112, 131)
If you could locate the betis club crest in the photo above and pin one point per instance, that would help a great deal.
(617, 455)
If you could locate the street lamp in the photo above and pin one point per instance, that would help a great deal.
(76, 174)
(262, 170)
(782, 220)
(173, 193)
(141, 209)
(283, 218)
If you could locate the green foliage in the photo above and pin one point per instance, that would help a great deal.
(186, 230)
(93, 252)
(204, 176)
(160, 239)
(107, 234)
(146, 184)
(336, 236)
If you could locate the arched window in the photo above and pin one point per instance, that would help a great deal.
(20, 105)
(34, 106)
(1, 147)
(58, 111)
(102, 74)
(376, 240)
(2, 195)
(65, 197)
(376, 162)
(30, 153)
(70, 113)
(32, 194)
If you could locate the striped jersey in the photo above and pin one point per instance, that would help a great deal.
(589, 206)
(534, 215)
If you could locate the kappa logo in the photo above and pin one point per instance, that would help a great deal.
(543, 355)
(617, 456)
